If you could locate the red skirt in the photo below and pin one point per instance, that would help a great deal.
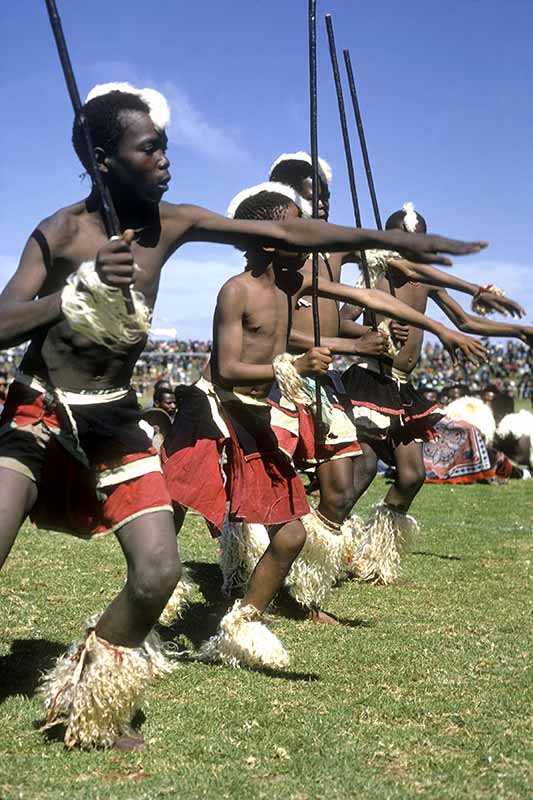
(84, 490)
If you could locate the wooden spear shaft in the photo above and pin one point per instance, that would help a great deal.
(107, 208)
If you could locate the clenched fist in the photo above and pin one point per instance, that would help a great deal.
(315, 362)
(114, 261)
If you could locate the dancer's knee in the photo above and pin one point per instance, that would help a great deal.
(411, 479)
(288, 540)
(152, 583)
(337, 503)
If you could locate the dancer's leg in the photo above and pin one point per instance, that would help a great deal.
(149, 544)
(286, 541)
(410, 476)
(18, 494)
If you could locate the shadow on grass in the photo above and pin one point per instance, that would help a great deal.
(22, 668)
(436, 555)
(208, 577)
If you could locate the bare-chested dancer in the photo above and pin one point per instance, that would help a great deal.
(392, 418)
(72, 395)
(229, 412)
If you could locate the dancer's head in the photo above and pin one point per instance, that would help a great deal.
(407, 219)
(296, 170)
(271, 201)
(127, 128)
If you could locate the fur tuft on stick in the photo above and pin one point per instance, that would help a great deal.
(386, 537)
(96, 687)
(243, 640)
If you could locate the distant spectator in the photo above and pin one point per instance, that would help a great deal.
(164, 398)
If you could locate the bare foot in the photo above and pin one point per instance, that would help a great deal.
(322, 618)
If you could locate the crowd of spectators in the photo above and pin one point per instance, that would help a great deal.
(182, 362)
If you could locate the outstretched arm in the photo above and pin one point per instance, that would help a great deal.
(389, 306)
(468, 323)
(373, 343)
(425, 273)
(192, 223)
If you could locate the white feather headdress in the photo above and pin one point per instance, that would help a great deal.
(410, 219)
(518, 425)
(324, 169)
(474, 411)
(156, 102)
(274, 187)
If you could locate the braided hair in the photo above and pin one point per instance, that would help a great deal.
(103, 114)
(263, 205)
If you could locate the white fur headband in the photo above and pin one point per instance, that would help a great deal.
(156, 102)
(272, 187)
(410, 219)
(324, 169)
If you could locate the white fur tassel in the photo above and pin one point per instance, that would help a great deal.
(177, 602)
(98, 311)
(324, 169)
(290, 381)
(156, 102)
(474, 411)
(318, 566)
(312, 574)
(241, 547)
(410, 220)
(243, 640)
(352, 531)
(96, 687)
(386, 537)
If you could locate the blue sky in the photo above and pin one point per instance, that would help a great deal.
(445, 90)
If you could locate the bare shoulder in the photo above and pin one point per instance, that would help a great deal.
(234, 290)
(185, 213)
(63, 226)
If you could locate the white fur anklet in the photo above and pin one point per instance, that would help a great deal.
(99, 313)
(243, 640)
(387, 536)
(318, 566)
(177, 602)
(96, 687)
(241, 546)
(352, 531)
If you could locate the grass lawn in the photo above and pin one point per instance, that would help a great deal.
(425, 690)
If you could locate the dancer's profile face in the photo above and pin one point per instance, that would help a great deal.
(140, 164)
(290, 259)
(306, 190)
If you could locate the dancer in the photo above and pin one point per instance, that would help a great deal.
(393, 420)
(338, 489)
(230, 413)
(71, 453)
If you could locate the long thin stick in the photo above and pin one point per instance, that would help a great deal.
(314, 160)
(364, 148)
(348, 153)
(109, 215)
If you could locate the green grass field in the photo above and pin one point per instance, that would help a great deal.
(424, 690)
